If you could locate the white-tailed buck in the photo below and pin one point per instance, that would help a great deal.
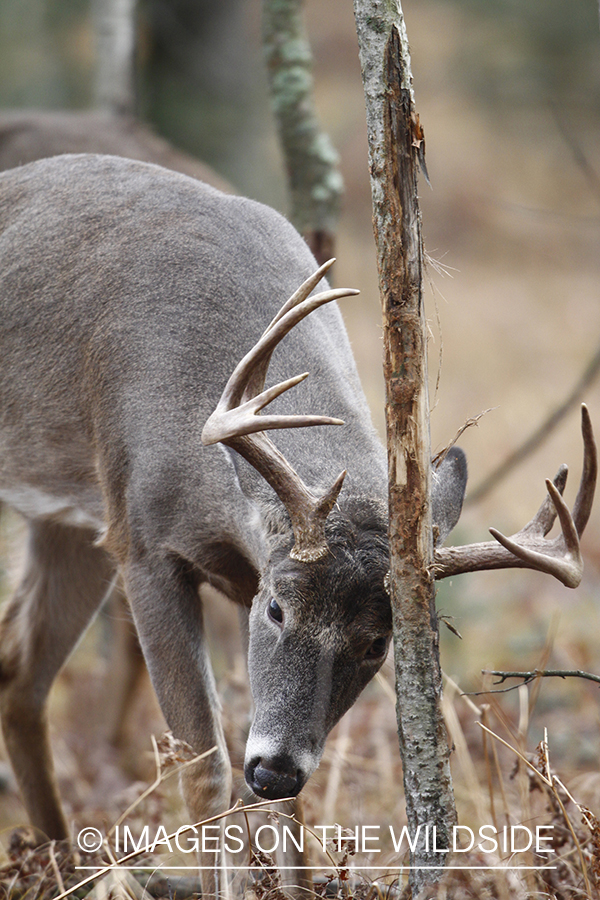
(130, 294)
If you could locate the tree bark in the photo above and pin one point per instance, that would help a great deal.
(395, 146)
(311, 162)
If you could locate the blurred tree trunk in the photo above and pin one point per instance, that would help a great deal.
(199, 85)
(311, 162)
(395, 147)
(115, 29)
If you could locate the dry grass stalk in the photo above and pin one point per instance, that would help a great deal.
(461, 749)
(170, 754)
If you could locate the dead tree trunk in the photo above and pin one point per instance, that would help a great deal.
(311, 162)
(395, 146)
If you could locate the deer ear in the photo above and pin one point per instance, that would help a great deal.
(448, 484)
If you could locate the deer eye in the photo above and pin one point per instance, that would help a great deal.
(275, 612)
(377, 649)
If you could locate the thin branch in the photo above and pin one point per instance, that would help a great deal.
(580, 158)
(469, 423)
(540, 434)
(54, 864)
(160, 777)
(531, 676)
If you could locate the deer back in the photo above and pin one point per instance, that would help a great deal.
(138, 287)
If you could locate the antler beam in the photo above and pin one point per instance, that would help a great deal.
(236, 422)
(529, 548)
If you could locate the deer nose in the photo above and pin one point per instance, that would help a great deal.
(273, 778)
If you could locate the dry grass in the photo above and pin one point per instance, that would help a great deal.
(503, 776)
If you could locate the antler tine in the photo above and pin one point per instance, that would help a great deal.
(568, 566)
(529, 548)
(256, 380)
(232, 417)
(303, 291)
(237, 423)
(225, 424)
(262, 350)
(587, 486)
(545, 517)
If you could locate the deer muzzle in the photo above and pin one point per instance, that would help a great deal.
(274, 778)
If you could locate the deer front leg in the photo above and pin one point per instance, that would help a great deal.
(166, 606)
(64, 581)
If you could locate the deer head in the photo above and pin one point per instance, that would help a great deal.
(321, 624)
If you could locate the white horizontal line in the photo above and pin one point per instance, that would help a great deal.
(160, 868)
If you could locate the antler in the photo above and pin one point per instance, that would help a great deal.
(236, 422)
(529, 548)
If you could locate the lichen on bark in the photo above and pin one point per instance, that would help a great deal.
(311, 161)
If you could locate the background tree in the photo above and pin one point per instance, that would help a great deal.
(311, 163)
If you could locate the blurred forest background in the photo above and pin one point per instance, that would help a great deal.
(509, 96)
